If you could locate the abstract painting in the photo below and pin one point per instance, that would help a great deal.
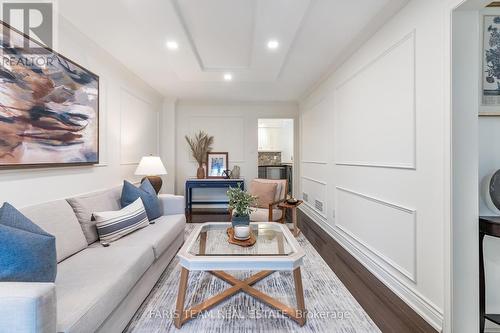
(49, 107)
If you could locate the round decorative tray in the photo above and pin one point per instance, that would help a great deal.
(245, 243)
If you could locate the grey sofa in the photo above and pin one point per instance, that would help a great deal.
(97, 289)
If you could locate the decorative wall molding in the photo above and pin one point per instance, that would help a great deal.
(194, 48)
(221, 120)
(422, 305)
(363, 246)
(413, 164)
(315, 162)
(125, 91)
(314, 180)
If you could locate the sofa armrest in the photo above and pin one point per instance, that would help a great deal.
(28, 307)
(172, 204)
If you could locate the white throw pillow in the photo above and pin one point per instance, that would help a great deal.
(116, 224)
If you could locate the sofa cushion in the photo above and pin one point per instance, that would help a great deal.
(158, 236)
(262, 215)
(91, 284)
(85, 205)
(265, 193)
(113, 225)
(27, 252)
(147, 193)
(58, 219)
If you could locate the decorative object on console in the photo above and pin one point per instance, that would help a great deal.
(240, 205)
(235, 173)
(217, 163)
(147, 193)
(151, 167)
(200, 145)
(28, 253)
(49, 114)
(226, 174)
(113, 225)
(491, 192)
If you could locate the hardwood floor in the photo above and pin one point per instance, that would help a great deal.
(387, 310)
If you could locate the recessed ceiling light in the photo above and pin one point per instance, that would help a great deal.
(228, 77)
(172, 45)
(273, 44)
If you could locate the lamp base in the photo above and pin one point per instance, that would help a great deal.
(156, 181)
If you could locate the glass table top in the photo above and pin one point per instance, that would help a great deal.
(212, 240)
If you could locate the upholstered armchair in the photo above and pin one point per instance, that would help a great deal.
(269, 192)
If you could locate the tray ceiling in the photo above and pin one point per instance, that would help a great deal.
(216, 37)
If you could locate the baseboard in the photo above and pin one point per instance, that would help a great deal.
(421, 305)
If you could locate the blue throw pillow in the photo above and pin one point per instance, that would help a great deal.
(147, 193)
(27, 252)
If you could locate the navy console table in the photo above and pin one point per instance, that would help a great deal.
(208, 183)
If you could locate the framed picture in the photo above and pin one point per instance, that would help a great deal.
(217, 163)
(490, 78)
(49, 106)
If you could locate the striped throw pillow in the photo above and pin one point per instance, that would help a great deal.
(116, 224)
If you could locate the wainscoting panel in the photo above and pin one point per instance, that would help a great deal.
(315, 170)
(230, 134)
(375, 111)
(314, 132)
(386, 230)
(139, 128)
(314, 195)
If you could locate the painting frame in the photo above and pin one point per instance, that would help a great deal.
(489, 104)
(41, 165)
(219, 174)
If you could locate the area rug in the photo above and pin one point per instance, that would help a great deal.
(331, 308)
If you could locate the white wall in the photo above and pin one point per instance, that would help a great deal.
(235, 128)
(128, 114)
(465, 170)
(372, 145)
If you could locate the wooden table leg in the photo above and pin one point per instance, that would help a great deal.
(296, 230)
(181, 297)
(203, 242)
(482, 300)
(281, 243)
(299, 294)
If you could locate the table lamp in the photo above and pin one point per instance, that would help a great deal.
(151, 167)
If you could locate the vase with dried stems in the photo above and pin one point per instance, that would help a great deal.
(200, 145)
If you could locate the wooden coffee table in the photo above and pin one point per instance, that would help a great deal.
(207, 249)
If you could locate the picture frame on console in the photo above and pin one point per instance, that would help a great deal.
(50, 106)
(217, 163)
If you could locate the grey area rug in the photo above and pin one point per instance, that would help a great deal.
(330, 306)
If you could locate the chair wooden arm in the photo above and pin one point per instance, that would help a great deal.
(271, 205)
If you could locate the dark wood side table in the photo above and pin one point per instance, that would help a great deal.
(296, 230)
(488, 226)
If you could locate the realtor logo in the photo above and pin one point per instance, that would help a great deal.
(34, 19)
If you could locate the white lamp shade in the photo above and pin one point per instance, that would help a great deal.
(150, 166)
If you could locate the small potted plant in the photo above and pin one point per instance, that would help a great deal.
(240, 205)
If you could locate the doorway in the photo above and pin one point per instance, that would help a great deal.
(276, 149)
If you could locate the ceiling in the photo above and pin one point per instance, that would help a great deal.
(217, 37)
